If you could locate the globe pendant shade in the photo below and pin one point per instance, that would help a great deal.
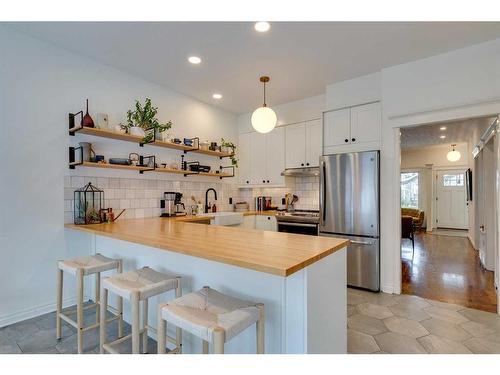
(453, 155)
(264, 119)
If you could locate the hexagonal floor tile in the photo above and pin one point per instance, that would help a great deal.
(477, 329)
(406, 327)
(480, 345)
(360, 343)
(445, 329)
(412, 301)
(409, 312)
(445, 314)
(375, 311)
(366, 324)
(395, 343)
(439, 345)
(488, 319)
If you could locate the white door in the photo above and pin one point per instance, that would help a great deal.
(244, 159)
(337, 127)
(451, 200)
(257, 158)
(314, 133)
(275, 151)
(295, 136)
(366, 123)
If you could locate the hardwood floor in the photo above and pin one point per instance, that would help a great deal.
(447, 269)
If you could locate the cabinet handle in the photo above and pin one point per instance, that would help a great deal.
(267, 181)
(307, 164)
(263, 181)
(353, 139)
(301, 164)
(248, 182)
(346, 140)
(268, 218)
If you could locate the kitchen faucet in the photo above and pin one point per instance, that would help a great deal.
(206, 198)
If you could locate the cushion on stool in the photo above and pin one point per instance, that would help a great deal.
(89, 265)
(203, 311)
(145, 281)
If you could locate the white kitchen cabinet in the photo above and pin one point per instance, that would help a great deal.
(262, 159)
(244, 152)
(248, 222)
(295, 136)
(303, 144)
(352, 129)
(366, 123)
(266, 222)
(337, 127)
(275, 157)
(314, 142)
(258, 162)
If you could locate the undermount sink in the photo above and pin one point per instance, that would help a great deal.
(224, 218)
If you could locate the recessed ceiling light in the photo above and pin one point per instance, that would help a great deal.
(442, 128)
(194, 59)
(442, 136)
(217, 96)
(262, 26)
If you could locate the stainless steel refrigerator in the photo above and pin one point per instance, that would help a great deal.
(349, 208)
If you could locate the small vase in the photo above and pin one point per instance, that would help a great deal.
(137, 131)
(162, 136)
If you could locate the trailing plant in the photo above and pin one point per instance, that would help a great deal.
(229, 144)
(144, 116)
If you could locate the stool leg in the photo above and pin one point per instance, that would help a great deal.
(145, 326)
(218, 339)
(178, 331)
(161, 333)
(102, 326)
(79, 310)
(205, 347)
(135, 323)
(120, 304)
(98, 297)
(260, 330)
(59, 302)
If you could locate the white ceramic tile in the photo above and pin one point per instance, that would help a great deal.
(102, 182)
(124, 203)
(114, 183)
(77, 182)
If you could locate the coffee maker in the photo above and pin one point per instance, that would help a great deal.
(171, 204)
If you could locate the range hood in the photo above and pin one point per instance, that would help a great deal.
(301, 172)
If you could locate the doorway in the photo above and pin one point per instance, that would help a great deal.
(445, 253)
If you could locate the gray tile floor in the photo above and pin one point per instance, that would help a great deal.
(38, 335)
(377, 323)
(403, 324)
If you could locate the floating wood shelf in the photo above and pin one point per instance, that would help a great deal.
(148, 169)
(136, 139)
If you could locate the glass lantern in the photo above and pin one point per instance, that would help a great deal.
(88, 203)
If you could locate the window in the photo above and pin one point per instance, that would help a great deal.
(453, 179)
(409, 189)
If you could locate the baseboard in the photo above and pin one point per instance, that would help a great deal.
(33, 312)
(389, 289)
(471, 242)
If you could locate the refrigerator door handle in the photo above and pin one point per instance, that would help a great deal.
(356, 242)
(323, 186)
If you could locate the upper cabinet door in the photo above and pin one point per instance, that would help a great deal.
(337, 126)
(244, 159)
(314, 135)
(258, 162)
(295, 145)
(366, 123)
(275, 151)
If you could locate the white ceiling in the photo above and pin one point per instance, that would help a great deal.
(456, 132)
(301, 57)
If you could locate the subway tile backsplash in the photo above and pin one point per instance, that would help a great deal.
(141, 197)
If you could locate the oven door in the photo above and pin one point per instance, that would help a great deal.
(298, 228)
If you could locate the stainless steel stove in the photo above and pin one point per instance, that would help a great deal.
(298, 221)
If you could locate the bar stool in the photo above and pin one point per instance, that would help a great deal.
(213, 317)
(135, 286)
(80, 267)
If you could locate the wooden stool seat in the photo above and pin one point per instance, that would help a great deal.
(213, 317)
(89, 265)
(80, 267)
(137, 286)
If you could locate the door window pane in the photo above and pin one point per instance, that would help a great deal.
(409, 190)
(453, 179)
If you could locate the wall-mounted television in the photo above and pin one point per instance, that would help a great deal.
(468, 184)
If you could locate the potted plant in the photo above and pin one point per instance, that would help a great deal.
(230, 148)
(143, 122)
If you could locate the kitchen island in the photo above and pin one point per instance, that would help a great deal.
(300, 279)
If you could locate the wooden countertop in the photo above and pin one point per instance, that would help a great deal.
(271, 252)
(206, 219)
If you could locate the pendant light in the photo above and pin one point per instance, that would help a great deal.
(263, 118)
(453, 155)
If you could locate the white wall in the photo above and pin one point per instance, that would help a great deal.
(40, 85)
(435, 155)
(353, 92)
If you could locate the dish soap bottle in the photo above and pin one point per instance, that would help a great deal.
(214, 208)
